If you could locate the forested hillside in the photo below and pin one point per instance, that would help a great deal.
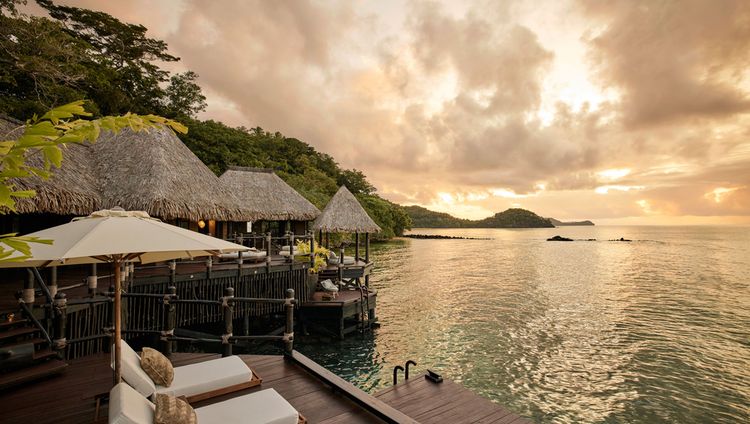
(84, 54)
(510, 218)
(425, 218)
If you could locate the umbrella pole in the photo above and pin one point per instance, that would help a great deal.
(118, 317)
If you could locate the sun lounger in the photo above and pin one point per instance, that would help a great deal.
(196, 382)
(127, 405)
(329, 287)
(334, 260)
(250, 255)
(284, 251)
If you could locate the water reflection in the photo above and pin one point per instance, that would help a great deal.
(650, 331)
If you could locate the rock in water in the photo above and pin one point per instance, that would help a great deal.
(559, 238)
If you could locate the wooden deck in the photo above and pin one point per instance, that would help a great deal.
(70, 397)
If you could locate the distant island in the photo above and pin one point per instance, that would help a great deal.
(510, 218)
(558, 223)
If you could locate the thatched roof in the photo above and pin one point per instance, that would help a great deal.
(267, 196)
(344, 214)
(71, 191)
(150, 170)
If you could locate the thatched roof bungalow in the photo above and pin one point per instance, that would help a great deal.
(148, 170)
(267, 196)
(344, 214)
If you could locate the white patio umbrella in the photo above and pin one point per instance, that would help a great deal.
(117, 236)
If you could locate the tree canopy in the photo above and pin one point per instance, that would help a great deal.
(78, 53)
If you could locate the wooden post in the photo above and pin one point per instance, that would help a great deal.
(209, 267)
(312, 249)
(28, 289)
(53, 281)
(320, 238)
(367, 258)
(92, 280)
(228, 306)
(291, 247)
(61, 317)
(356, 247)
(341, 264)
(240, 260)
(246, 323)
(170, 320)
(117, 312)
(172, 272)
(268, 251)
(289, 328)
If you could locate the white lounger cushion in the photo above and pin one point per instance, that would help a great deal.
(348, 260)
(203, 377)
(246, 255)
(329, 286)
(132, 372)
(263, 407)
(127, 406)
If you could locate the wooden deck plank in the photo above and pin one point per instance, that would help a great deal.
(447, 402)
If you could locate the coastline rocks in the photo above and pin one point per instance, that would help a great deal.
(559, 238)
(439, 237)
(621, 239)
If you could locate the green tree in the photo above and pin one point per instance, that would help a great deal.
(124, 76)
(355, 181)
(40, 65)
(183, 96)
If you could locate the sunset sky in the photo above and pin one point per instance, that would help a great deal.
(620, 112)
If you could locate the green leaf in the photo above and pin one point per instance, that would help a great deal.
(44, 128)
(66, 111)
(5, 146)
(53, 154)
(18, 245)
(23, 193)
(5, 199)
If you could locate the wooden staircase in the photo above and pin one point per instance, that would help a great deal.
(25, 355)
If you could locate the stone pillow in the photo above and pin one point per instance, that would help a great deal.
(172, 410)
(157, 366)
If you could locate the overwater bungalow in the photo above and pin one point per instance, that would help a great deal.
(353, 307)
(277, 206)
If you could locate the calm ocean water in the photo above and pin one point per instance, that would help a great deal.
(657, 330)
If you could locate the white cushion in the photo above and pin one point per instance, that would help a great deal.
(263, 407)
(253, 253)
(203, 377)
(329, 286)
(127, 406)
(132, 373)
(348, 260)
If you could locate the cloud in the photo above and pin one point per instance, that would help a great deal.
(673, 60)
(466, 98)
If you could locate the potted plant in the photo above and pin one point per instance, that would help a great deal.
(320, 261)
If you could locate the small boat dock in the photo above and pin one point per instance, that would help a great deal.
(315, 392)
